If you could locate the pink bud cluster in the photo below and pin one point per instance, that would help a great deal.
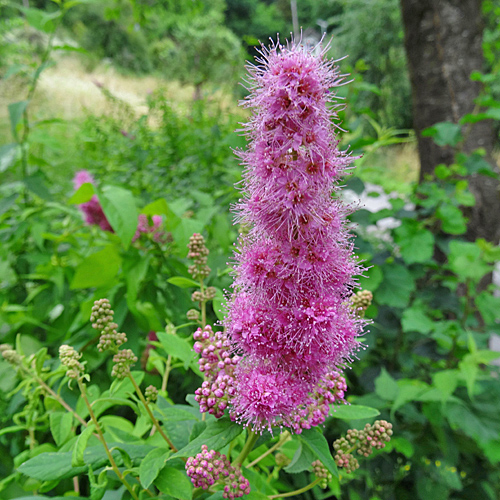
(330, 390)
(210, 466)
(144, 227)
(92, 210)
(372, 437)
(289, 315)
(217, 365)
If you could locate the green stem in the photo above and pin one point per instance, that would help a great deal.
(81, 385)
(56, 396)
(164, 381)
(252, 439)
(283, 439)
(297, 492)
(150, 413)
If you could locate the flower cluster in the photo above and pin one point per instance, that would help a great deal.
(217, 365)
(123, 360)
(372, 437)
(210, 466)
(321, 472)
(329, 390)
(289, 316)
(153, 228)
(70, 359)
(95, 216)
(101, 318)
(92, 210)
(198, 252)
(361, 301)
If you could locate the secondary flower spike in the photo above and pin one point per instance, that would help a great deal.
(289, 315)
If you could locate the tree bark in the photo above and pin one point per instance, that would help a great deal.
(443, 41)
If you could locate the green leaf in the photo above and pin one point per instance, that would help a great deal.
(409, 390)
(371, 279)
(446, 382)
(386, 387)
(41, 20)
(120, 209)
(83, 194)
(353, 412)
(36, 183)
(51, 467)
(217, 435)
(401, 445)
(444, 133)
(317, 443)
(182, 282)
(302, 460)
(179, 348)
(8, 154)
(219, 304)
(452, 219)
(415, 242)
(476, 164)
(16, 110)
(396, 287)
(175, 483)
(60, 426)
(81, 445)
(153, 462)
(466, 262)
(7, 202)
(98, 269)
(415, 320)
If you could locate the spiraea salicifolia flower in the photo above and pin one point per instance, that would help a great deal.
(91, 210)
(217, 365)
(101, 318)
(71, 360)
(289, 316)
(210, 466)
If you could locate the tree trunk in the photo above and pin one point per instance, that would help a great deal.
(443, 40)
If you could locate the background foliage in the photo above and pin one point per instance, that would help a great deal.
(426, 366)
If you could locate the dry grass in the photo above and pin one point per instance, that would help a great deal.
(68, 91)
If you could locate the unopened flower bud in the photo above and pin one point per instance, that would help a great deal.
(123, 360)
(193, 315)
(151, 394)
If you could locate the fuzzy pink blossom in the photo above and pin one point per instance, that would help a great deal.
(92, 210)
(289, 316)
(144, 227)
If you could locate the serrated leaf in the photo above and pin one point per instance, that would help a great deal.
(353, 412)
(217, 435)
(60, 426)
(16, 110)
(175, 483)
(396, 287)
(83, 194)
(415, 242)
(444, 133)
(153, 462)
(386, 387)
(415, 320)
(182, 282)
(302, 460)
(317, 443)
(81, 445)
(51, 467)
(120, 209)
(8, 154)
(452, 219)
(98, 269)
(179, 348)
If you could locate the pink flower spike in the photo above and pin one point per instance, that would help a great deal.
(289, 316)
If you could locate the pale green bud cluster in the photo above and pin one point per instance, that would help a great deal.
(361, 301)
(102, 320)
(70, 359)
(123, 360)
(321, 472)
(151, 394)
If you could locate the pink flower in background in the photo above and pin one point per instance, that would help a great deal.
(92, 209)
(289, 316)
(144, 227)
